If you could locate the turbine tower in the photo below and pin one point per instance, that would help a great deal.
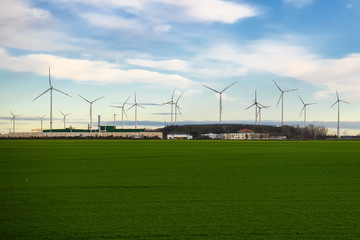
(136, 105)
(13, 120)
(282, 101)
(41, 119)
(338, 103)
(65, 118)
(122, 112)
(304, 109)
(177, 108)
(220, 93)
(51, 88)
(91, 103)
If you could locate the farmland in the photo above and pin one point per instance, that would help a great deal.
(121, 189)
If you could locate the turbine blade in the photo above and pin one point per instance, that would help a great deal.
(172, 97)
(179, 97)
(126, 101)
(301, 100)
(290, 90)
(41, 94)
(61, 92)
(141, 106)
(12, 113)
(179, 111)
(228, 86)
(302, 110)
(131, 107)
(335, 103)
(97, 99)
(116, 106)
(62, 113)
(49, 78)
(344, 101)
(277, 86)
(85, 99)
(337, 95)
(279, 100)
(211, 89)
(250, 106)
(125, 113)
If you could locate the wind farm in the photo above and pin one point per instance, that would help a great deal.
(164, 120)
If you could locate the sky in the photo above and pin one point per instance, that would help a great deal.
(116, 48)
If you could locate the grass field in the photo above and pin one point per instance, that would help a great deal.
(119, 189)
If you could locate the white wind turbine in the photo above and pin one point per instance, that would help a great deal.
(171, 102)
(91, 103)
(65, 118)
(259, 113)
(220, 93)
(114, 119)
(41, 119)
(177, 108)
(123, 111)
(282, 101)
(13, 120)
(257, 105)
(338, 103)
(136, 105)
(304, 109)
(51, 93)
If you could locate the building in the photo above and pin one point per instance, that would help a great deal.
(179, 136)
(211, 136)
(245, 134)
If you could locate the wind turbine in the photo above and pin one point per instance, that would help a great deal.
(171, 102)
(41, 118)
(177, 108)
(13, 120)
(114, 119)
(256, 104)
(122, 112)
(65, 118)
(91, 103)
(282, 101)
(136, 105)
(259, 113)
(338, 103)
(51, 88)
(304, 109)
(220, 93)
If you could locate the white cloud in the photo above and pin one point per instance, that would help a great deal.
(298, 3)
(85, 70)
(285, 59)
(25, 27)
(214, 10)
(112, 22)
(185, 10)
(170, 65)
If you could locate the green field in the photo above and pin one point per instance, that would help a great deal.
(120, 189)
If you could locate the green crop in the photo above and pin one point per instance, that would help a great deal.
(152, 189)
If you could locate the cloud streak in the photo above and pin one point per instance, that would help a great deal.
(86, 70)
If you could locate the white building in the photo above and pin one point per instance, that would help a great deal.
(211, 136)
(245, 134)
(179, 136)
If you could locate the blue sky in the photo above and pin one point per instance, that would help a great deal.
(151, 47)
